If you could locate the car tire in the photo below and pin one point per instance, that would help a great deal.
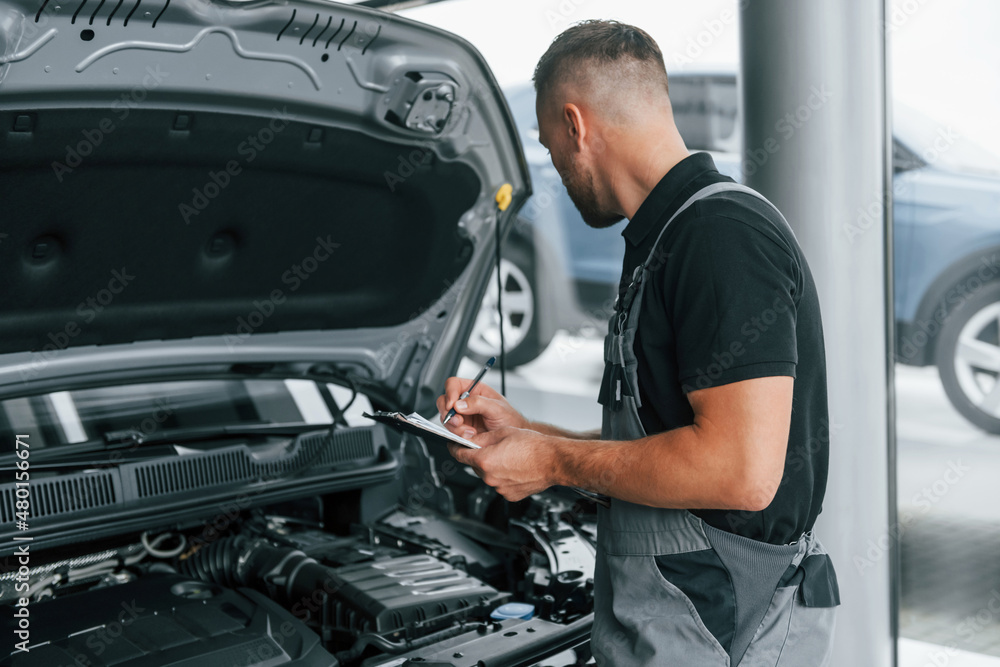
(968, 358)
(523, 339)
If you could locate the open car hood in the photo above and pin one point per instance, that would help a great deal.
(200, 188)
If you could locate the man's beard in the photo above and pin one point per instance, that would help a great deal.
(580, 187)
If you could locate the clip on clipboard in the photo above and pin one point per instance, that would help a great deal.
(417, 425)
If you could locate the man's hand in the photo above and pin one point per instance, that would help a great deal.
(516, 462)
(484, 410)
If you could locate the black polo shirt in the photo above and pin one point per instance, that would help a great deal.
(732, 300)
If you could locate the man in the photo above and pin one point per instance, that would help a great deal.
(715, 433)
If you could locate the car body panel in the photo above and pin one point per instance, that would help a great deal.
(943, 217)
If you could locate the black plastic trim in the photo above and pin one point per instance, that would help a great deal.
(201, 503)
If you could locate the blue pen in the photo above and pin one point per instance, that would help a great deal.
(465, 394)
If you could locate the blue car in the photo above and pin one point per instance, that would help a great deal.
(560, 274)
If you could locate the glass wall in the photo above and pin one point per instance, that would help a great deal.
(945, 69)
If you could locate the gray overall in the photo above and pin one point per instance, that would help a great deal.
(784, 594)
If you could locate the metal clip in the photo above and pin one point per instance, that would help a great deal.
(616, 385)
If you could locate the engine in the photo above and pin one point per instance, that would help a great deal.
(396, 596)
(412, 587)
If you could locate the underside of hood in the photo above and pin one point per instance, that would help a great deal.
(158, 235)
(180, 169)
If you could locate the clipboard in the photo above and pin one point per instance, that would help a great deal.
(417, 425)
(424, 428)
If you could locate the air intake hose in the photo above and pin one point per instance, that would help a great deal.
(285, 575)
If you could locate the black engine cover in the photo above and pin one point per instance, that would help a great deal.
(168, 620)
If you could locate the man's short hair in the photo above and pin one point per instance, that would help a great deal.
(623, 53)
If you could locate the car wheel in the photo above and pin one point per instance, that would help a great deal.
(968, 358)
(520, 302)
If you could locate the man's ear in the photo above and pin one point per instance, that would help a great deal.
(573, 122)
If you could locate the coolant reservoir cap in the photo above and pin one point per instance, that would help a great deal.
(520, 610)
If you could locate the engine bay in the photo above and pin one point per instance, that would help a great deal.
(412, 572)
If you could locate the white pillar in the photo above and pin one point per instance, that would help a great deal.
(814, 109)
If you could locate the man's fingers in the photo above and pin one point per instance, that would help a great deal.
(455, 387)
(443, 407)
(472, 405)
(487, 438)
(461, 454)
(479, 405)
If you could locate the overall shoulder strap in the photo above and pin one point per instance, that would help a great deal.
(704, 193)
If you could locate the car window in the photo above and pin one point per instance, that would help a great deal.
(705, 110)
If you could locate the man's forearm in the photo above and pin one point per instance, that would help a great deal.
(681, 469)
(549, 429)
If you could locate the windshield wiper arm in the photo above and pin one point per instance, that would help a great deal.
(132, 437)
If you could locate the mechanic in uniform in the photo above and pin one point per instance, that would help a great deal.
(715, 435)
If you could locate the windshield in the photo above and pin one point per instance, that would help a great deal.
(82, 415)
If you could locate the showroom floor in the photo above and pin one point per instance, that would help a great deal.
(948, 489)
(951, 549)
